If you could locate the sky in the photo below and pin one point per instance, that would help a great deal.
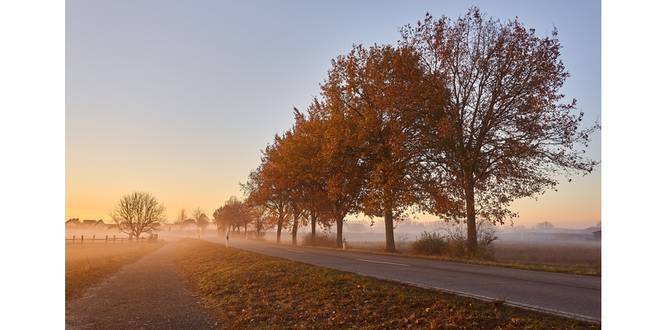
(177, 98)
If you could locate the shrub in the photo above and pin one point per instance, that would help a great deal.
(457, 240)
(430, 243)
(321, 240)
(485, 238)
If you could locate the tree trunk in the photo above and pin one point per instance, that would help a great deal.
(279, 230)
(471, 220)
(313, 221)
(340, 238)
(389, 231)
(245, 231)
(294, 231)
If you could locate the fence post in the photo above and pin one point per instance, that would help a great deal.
(82, 238)
(74, 239)
(106, 239)
(93, 238)
(114, 238)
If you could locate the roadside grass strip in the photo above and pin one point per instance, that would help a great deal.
(249, 290)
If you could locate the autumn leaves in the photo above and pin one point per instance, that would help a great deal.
(458, 119)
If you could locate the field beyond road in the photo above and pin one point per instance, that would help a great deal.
(88, 264)
(249, 290)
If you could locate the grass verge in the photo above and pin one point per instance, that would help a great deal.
(88, 264)
(248, 290)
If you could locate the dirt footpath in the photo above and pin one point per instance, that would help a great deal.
(148, 294)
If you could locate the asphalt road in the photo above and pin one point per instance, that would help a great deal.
(564, 294)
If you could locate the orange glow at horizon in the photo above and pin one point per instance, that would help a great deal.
(574, 205)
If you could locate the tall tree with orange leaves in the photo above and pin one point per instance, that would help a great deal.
(309, 167)
(379, 91)
(506, 130)
(343, 170)
(291, 160)
(266, 186)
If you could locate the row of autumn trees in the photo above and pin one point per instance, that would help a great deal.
(457, 119)
(236, 214)
(233, 216)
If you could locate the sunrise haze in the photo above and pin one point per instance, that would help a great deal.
(178, 100)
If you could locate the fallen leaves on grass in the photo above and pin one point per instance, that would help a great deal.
(248, 290)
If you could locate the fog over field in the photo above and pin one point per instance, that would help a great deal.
(405, 232)
(541, 244)
(516, 244)
(409, 231)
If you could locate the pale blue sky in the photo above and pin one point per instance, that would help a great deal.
(178, 97)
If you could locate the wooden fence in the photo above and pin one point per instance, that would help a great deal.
(108, 239)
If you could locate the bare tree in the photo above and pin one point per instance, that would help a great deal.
(545, 225)
(259, 215)
(201, 219)
(218, 219)
(138, 213)
(197, 213)
(181, 218)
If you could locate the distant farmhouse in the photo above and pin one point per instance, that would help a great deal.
(85, 224)
(76, 223)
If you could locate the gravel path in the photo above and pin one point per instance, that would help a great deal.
(148, 294)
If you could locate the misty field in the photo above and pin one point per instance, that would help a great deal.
(88, 264)
(562, 257)
(582, 258)
(248, 290)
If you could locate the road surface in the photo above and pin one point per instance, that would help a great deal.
(148, 294)
(563, 294)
